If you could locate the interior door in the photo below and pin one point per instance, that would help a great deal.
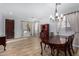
(9, 28)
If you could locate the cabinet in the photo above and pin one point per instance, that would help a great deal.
(3, 41)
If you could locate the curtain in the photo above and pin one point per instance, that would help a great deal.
(74, 23)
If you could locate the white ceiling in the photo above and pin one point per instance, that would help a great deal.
(37, 10)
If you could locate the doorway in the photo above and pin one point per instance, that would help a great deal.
(9, 28)
(26, 28)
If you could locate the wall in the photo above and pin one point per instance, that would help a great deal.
(18, 29)
(2, 28)
(40, 11)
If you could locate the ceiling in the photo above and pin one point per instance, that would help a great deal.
(35, 10)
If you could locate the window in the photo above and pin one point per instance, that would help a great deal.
(62, 25)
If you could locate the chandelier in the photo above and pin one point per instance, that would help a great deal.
(56, 17)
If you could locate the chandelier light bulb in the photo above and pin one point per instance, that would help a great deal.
(57, 14)
(58, 17)
(61, 15)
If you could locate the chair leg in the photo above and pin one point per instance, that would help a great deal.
(72, 49)
(4, 48)
(69, 52)
(41, 48)
(44, 46)
(57, 52)
(65, 52)
(51, 51)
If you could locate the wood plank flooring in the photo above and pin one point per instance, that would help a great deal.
(25, 47)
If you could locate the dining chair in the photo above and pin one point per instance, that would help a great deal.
(70, 43)
(45, 38)
(45, 28)
(44, 35)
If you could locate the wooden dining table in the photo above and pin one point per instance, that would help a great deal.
(60, 38)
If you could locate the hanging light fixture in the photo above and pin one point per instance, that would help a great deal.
(56, 17)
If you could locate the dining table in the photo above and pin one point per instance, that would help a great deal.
(60, 38)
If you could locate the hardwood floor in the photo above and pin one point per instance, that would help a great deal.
(22, 47)
(25, 47)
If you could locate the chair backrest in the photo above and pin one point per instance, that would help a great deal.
(70, 40)
(44, 34)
